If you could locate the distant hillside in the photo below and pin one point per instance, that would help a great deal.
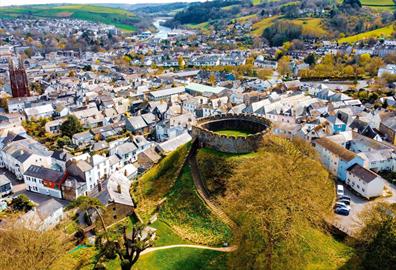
(379, 4)
(120, 18)
(200, 12)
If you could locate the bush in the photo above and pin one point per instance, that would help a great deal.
(22, 203)
(283, 31)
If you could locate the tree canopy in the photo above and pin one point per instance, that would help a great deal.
(71, 126)
(272, 196)
(282, 31)
(22, 248)
(377, 239)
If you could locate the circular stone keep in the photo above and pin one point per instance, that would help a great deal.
(207, 130)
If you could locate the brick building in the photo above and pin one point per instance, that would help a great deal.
(19, 80)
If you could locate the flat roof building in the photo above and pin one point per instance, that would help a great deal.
(199, 89)
(165, 93)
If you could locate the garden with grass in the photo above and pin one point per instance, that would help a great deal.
(235, 133)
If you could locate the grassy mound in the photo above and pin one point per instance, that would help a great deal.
(319, 250)
(189, 217)
(156, 183)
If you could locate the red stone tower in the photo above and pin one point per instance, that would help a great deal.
(18, 79)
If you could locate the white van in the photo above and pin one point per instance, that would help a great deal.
(340, 190)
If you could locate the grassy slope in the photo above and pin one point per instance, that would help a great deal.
(157, 182)
(259, 27)
(189, 217)
(311, 26)
(380, 32)
(379, 4)
(322, 251)
(107, 15)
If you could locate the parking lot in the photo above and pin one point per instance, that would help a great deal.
(19, 187)
(358, 204)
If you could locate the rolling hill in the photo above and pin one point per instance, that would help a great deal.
(379, 4)
(122, 19)
(377, 33)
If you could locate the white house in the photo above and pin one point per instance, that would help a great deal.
(18, 153)
(44, 181)
(366, 182)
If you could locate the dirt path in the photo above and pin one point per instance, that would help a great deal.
(220, 249)
(204, 195)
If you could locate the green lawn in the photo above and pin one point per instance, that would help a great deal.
(189, 217)
(236, 133)
(165, 236)
(118, 17)
(182, 259)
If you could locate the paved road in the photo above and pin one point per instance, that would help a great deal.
(358, 204)
(221, 249)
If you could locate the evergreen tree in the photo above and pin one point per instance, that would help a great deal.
(71, 126)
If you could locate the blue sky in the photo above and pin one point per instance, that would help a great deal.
(30, 2)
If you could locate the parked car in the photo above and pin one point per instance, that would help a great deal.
(344, 197)
(340, 190)
(347, 202)
(342, 211)
(341, 204)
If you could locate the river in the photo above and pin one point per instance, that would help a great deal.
(162, 30)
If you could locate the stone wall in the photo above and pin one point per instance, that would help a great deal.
(204, 132)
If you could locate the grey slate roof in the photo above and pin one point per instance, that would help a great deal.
(364, 174)
(47, 208)
(21, 155)
(44, 173)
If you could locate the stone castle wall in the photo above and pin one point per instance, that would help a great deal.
(204, 132)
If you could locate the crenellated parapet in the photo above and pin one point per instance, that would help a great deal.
(206, 128)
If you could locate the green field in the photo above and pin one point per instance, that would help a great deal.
(379, 4)
(310, 26)
(380, 32)
(235, 133)
(120, 18)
